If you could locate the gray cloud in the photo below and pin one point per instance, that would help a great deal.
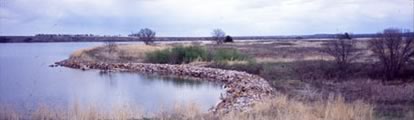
(199, 17)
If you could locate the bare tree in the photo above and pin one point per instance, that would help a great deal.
(147, 35)
(218, 35)
(393, 48)
(344, 52)
(343, 49)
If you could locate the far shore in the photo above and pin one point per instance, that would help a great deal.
(94, 38)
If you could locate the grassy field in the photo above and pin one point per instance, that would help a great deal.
(298, 69)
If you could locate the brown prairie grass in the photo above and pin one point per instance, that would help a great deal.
(234, 62)
(74, 112)
(121, 53)
(8, 112)
(283, 108)
(278, 108)
(289, 50)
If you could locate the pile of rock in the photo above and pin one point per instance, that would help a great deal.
(242, 90)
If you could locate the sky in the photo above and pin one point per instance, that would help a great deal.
(200, 17)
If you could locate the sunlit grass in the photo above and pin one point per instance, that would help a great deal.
(121, 53)
(279, 108)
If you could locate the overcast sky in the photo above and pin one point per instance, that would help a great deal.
(199, 17)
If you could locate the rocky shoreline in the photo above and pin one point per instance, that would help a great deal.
(242, 90)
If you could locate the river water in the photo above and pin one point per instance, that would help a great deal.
(26, 82)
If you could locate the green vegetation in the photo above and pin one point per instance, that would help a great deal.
(228, 54)
(184, 55)
(160, 56)
(177, 55)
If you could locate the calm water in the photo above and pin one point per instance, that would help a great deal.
(26, 81)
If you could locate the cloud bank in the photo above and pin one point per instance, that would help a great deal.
(199, 17)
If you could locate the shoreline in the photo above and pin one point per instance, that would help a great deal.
(242, 90)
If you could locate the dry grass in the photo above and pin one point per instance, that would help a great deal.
(74, 112)
(376, 91)
(293, 59)
(277, 51)
(81, 53)
(288, 50)
(121, 53)
(233, 62)
(8, 112)
(269, 51)
(278, 108)
(283, 108)
(264, 51)
(391, 101)
(137, 51)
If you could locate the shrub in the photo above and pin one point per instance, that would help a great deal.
(393, 51)
(228, 39)
(159, 56)
(227, 54)
(187, 54)
(180, 54)
(177, 55)
(344, 52)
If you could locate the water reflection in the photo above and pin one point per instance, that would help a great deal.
(109, 76)
(149, 79)
(175, 80)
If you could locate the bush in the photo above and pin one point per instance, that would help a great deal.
(159, 56)
(227, 54)
(228, 39)
(393, 51)
(187, 54)
(180, 54)
(344, 52)
(177, 55)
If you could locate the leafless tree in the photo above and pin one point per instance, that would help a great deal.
(218, 35)
(343, 50)
(393, 48)
(111, 46)
(147, 35)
